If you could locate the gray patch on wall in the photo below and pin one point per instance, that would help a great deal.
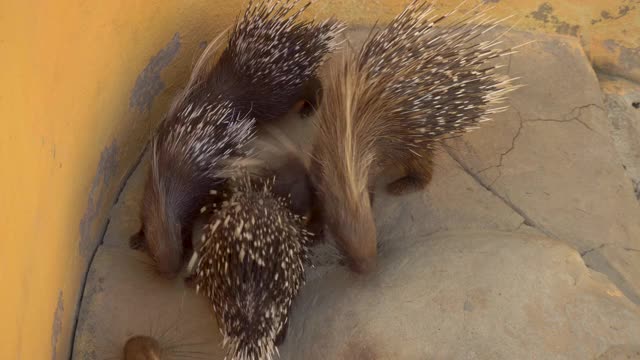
(545, 14)
(623, 10)
(149, 83)
(629, 57)
(56, 328)
(106, 168)
(85, 321)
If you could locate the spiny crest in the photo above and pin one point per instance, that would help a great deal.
(412, 84)
(189, 140)
(344, 147)
(251, 266)
(434, 81)
(272, 46)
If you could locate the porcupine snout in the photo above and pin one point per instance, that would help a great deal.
(355, 233)
(162, 234)
(167, 254)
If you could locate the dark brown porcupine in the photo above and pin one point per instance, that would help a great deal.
(389, 103)
(251, 265)
(270, 57)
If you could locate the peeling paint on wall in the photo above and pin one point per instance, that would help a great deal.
(94, 289)
(149, 83)
(629, 58)
(56, 328)
(624, 61)
(623, 10)
(106, 168)
(544, 13)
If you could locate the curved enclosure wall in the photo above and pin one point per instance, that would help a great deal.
(84, 84)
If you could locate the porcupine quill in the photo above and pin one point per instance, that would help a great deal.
(251, 266)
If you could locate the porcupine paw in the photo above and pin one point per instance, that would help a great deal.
(306, 110)
(282, 335)
(190, 281)
(317, 236)
(316, 227)
(136, 241)
(312, 95)
(408, 184)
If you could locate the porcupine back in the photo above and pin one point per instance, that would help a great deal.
(251, 266)
(258, 77)
(409, 86)
(271, 56)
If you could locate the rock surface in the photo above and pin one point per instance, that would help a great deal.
(484, 264)
(464, 295)
(622, 101)
(551, 158)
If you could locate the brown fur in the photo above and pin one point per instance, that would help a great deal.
(418, 172)
(166, 214)
(388, 104)
(354, 115)
(348, 117)
(278, 154)
(256, 79)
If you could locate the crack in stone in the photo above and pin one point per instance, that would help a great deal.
(592, 249)
(504, 154)
(574, 115)
(580, 108)
(585, 125)
(509, 65)
(527, 219)
(513, 141)
(636, 187)
(569, 115)
(566, 118)
(505, 199)
(612, 272)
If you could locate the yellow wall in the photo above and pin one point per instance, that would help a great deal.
(82, 82)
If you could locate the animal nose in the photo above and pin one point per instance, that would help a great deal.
(167, 274)
(170, 268)
(364, 266)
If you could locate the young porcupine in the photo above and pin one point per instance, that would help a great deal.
(251, 265)
(389, 103)
(270, 57)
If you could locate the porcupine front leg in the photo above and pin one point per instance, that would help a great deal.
(311, 97)
(190, 281)
(315, 225)
(136, 241)
(417, 177)
(282, 335)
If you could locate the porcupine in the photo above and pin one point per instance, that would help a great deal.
(251, 265)
(278, 155)
(408, 87)
(271, 56)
